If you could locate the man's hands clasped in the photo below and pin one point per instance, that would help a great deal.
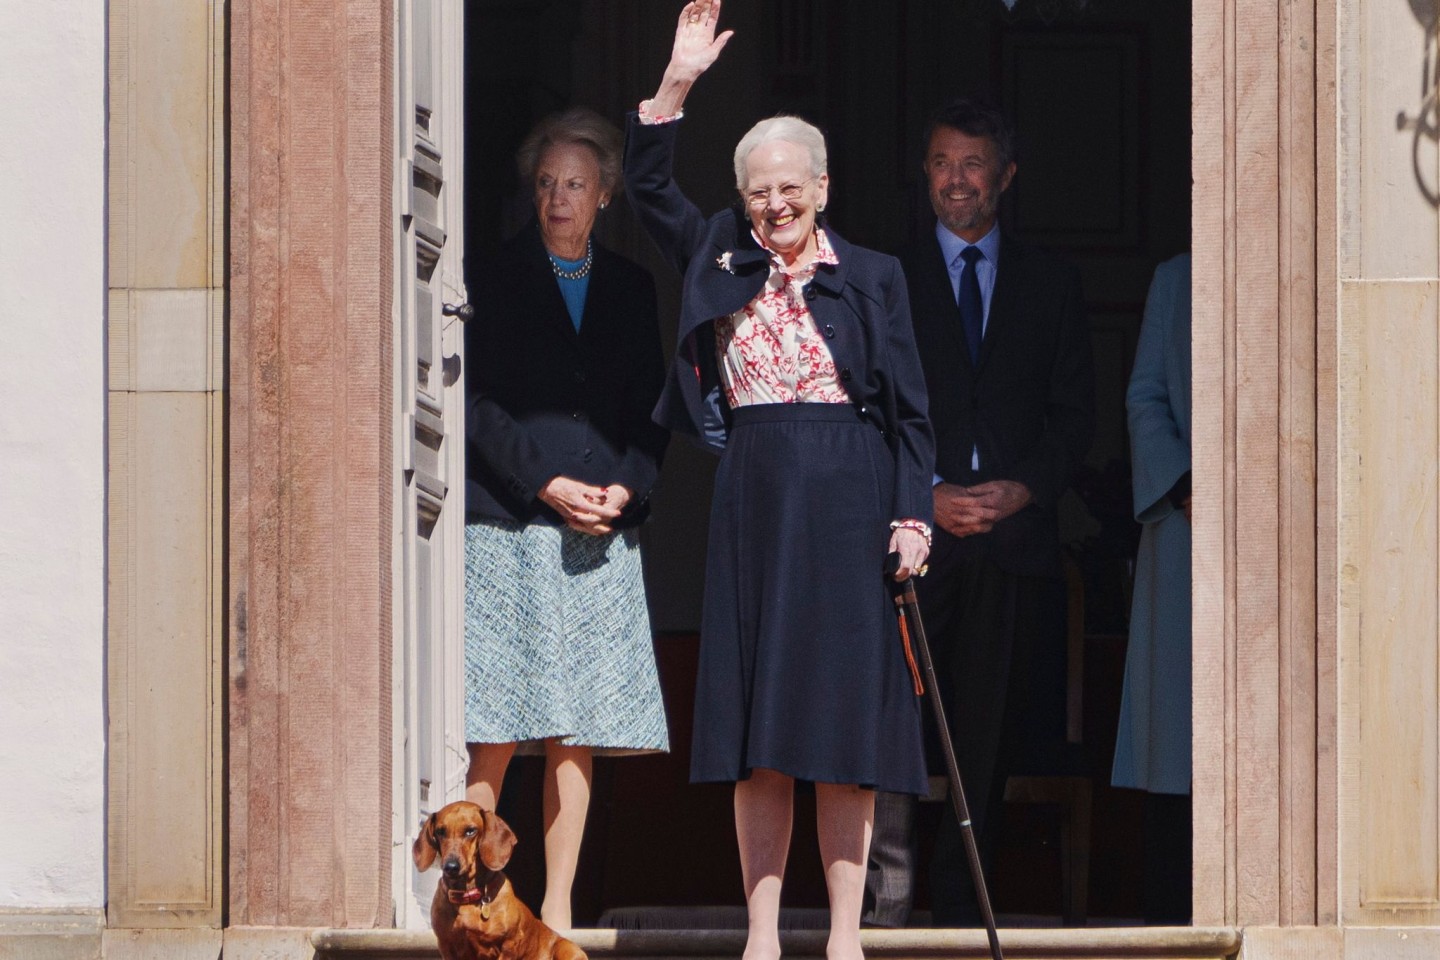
(965, 511)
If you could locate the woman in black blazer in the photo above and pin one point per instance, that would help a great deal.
(563, 366)
(795, 358)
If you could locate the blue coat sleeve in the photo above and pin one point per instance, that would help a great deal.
(1157, 401)
(915, 453)
(675, 224)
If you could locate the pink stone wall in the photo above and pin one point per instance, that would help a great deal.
(310, 463)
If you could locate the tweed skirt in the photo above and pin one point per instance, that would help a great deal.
(558, 641)
(801, 665)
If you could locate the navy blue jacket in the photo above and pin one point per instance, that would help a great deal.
(544, 401)
(1028, 404)
(859, 304)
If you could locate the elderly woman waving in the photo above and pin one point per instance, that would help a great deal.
(795, 358)
(563, 366)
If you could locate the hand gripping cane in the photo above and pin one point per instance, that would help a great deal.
(912, 630)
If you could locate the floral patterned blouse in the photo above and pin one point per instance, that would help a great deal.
(771, 351)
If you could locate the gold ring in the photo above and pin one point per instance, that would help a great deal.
(923, 569)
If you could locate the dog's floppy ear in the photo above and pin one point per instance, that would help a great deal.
(425, 846)
(497, 842)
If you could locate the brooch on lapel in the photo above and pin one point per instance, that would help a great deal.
(723, 262)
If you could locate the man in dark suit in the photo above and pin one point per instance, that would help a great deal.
(1003, 341)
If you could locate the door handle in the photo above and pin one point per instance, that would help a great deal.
(462, 310)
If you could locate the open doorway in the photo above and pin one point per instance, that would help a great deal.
(1100, 93)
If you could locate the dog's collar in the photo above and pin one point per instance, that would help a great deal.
(480, 893)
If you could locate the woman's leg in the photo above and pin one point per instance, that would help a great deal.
(486, 773)
(567, 800)
(764, 807)
(845, 817)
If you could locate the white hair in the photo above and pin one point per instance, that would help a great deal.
(576, 125)
(785, 128)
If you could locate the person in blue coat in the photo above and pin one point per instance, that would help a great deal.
(796, 361)
(1152, 747)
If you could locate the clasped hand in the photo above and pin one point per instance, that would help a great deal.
(965, 511)
(585, 508)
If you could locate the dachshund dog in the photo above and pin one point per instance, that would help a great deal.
(475, 913)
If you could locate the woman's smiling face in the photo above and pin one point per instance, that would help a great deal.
(785, 224)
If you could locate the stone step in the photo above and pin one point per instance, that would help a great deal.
(1119, 943)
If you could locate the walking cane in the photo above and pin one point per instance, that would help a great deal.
(909, 610)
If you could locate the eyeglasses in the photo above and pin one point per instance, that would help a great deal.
(759, 198)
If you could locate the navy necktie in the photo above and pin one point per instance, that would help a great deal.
(972, 307)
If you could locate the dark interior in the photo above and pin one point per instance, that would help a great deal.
(1100, 93)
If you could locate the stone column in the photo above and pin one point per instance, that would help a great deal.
(310, 428)
(1263, 436)
(1317, 437)
(165, 663)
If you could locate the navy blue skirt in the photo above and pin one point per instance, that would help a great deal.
(801, 667)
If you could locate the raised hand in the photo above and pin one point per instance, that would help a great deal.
(696, 48)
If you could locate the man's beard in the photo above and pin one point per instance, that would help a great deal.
(971, 216)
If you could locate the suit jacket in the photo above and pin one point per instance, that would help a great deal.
(1029, 402)
(543, 400)
(859, 304)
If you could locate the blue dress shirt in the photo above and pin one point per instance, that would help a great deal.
(952, 246)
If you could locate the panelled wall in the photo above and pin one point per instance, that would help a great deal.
(1317, 549)
(166, 351)
(1388, 367)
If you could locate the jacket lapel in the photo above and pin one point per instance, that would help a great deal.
(541, 275)
(831, 277)
(838, 317)
(723, 279)
(1009, 276)
(936, 308)
(594, 315)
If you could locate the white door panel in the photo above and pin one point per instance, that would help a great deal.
(430, 761)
